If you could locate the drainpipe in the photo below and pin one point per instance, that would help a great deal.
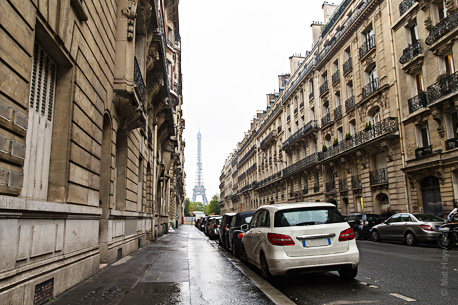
(153, 224)
(398, 111)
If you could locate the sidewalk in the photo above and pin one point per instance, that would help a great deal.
(179, 268)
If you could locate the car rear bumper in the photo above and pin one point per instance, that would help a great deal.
(282, 264)
(429, 237)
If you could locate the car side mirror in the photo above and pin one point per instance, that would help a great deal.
(245, 227)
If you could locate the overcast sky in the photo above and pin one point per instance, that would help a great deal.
(232, 54)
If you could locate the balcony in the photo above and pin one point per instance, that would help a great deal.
(417, 102)
(370, 88)
(299, 134)
(311, 96)
(442, 88)
(347, 66)
(424, 151)
(268, 140)
(350, 103)
(338, 112)
(444, 27)
(138, 80)
(410, 52)
(326, 120)
(301, 164)
(355, 182)
(378, 130)
(379, 176)
(343, 185)
(336, 77)
(331, 186)
(367, 46)
(451, 144)
(324, 88)
(405, 5)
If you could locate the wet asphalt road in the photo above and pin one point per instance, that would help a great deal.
(385, 269)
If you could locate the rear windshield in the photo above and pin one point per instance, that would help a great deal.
(307, 216)
(426, 217)
(373, 217)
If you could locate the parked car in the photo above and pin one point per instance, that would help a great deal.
(202, 223)
(213, 228)
(207, 223)
(362, 223)
(409, 228)
(300, 237)
(224, 229)
(235, 239)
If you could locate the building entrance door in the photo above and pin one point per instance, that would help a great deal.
(430, 191)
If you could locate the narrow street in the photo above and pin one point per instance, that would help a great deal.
(389, 273)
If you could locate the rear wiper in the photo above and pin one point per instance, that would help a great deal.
(307, 223)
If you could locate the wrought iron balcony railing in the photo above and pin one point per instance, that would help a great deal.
(300, 133)
(350, 103)
(417, 102)
(405, 5)
(138, 80)
(379, 176)
(444, 27)
(368, 45)
(338, 112)
(423, 151)
(370, 88)
(330, 186)
(410, 52)
(347, 66)
(442, 88)
(387, 126)
(451, 144)
(356, 182)
(326, 120)
(343, 185)
(335, 77)
(324, 87)
(301, 164)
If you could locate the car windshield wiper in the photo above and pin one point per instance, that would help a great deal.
(306, 223)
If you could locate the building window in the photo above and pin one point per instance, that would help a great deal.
(448, 64)
(423, 135)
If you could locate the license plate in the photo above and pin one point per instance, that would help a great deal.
(316, 242)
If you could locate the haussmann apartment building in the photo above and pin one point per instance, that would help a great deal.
(91, 147)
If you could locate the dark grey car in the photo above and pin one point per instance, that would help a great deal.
(408, 228)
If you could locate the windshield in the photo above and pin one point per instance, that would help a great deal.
(426, 217)
(307, 216)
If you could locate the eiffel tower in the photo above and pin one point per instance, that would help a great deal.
(199, 188)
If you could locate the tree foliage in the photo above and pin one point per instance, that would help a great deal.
(213, 207)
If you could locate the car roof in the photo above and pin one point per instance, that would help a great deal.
(284, 206)
(246, 213)
(229, 214)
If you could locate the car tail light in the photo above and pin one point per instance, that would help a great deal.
(426, 227)
(226, 228)
(361, 222)
(240, 235)
(280, 239)
(215, 226)
(347, 234)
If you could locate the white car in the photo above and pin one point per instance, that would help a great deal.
(300, 237)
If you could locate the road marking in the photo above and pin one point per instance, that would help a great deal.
(403, 297)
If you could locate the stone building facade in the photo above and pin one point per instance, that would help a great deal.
(340, 129)
(91, 148)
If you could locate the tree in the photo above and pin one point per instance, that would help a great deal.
(213, 207)
(187, 207)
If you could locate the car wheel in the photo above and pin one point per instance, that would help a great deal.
(234, 250)
(357, 234)
(410, 239)
(446, 240)
(348, 274)
(375, 236)
(265, 273)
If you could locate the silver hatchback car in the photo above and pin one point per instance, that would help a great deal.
(409, 228)
(300, 237)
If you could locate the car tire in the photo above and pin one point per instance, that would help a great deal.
(410, 239)
(348, 274)
(375, 236)
(446, 240)
(234, 250)
(357, 234)
(265, 273)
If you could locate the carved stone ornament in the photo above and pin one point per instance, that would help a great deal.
(131, 13)
(428, 23)
(153, 57)
(450, 5)
(387, 147)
